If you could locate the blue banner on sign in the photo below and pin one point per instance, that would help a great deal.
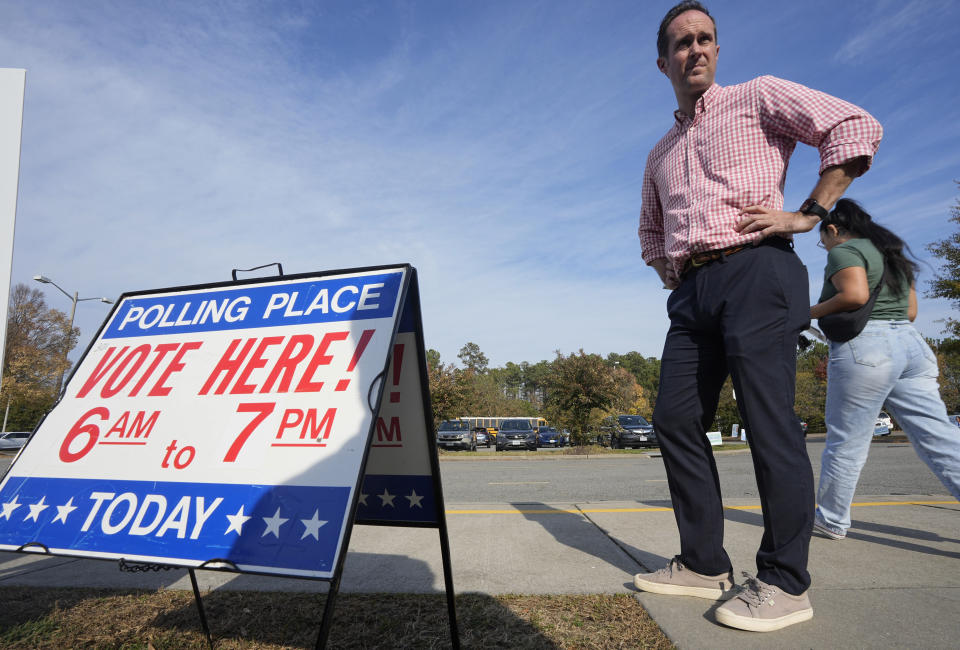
(254, 526)
(311, 301)
(397, 498)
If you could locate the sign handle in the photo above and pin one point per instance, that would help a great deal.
(257, 268)
(373, 409)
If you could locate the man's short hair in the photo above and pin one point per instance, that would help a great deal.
(686, 5)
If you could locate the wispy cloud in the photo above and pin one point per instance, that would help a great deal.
(497, 146)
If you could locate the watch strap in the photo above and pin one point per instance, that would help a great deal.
(810, 206)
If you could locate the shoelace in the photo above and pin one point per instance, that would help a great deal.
(753, 591)
(668, 570)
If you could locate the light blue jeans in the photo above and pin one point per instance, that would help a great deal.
(888, 362)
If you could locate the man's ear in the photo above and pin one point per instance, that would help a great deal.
(662, 64)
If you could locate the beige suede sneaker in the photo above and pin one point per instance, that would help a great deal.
(760, 607)
(677, 580)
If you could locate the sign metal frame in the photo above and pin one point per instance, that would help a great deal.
(408, 299)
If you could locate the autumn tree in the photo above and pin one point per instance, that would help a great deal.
(646, 370)
(447, 391)
(38, 342)
(946, 284)
(811, 391)
(580, 389)
(948, 360)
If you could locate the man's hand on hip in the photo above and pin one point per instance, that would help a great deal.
(668, 275)
(759, 218)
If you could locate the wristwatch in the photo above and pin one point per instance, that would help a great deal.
(810, 206)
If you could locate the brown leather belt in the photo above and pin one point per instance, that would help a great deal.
(697, 260)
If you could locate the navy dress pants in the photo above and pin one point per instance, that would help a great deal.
(740, 316)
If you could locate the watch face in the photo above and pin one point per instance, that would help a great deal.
(810, 206)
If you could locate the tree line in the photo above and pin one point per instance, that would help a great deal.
(578, 390)
(574, 391)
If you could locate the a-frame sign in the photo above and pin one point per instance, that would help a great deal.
(242, 426)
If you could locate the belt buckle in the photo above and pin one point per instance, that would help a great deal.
(695, 264)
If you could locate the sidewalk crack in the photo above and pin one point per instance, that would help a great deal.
(616, 542)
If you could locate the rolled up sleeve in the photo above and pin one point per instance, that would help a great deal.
(841, 131)
(651, 220)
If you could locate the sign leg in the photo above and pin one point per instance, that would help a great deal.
(448, 585)
(203, 615)
(327, 620)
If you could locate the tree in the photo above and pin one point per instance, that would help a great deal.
(447, 393)
(581, 388)
(38, 342)
(811, 391)
(948, 360)
(433, 359)
(946, 284)
(472, 358)
(646, 370)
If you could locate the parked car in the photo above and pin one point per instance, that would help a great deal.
(516, 434)
(803, 425)
(885, 420)
(482, 437)
(14, 439)
(456, 434)
(882, 427)
(549, 437)
(624, 431)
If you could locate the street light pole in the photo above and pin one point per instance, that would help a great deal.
(74, 299)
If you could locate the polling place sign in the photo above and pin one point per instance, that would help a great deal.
(220, 423)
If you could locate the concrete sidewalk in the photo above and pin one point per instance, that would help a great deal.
(894, 582)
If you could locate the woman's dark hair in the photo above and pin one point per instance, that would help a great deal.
(849, 217)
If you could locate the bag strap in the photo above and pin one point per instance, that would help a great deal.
(876, 290)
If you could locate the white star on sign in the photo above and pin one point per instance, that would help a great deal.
(236, 522)
(414, 499)
(9, 507)
(273, 524)
(312, 526)
(36, 509)
(363, 498)
(386, 499)
(64, 511)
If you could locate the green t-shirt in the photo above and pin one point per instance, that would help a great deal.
(861, 252)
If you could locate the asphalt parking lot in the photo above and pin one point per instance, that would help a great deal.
(572, 524)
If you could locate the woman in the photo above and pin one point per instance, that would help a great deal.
(888, 362)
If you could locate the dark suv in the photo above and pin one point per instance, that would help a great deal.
(516, 434)
(625, 431)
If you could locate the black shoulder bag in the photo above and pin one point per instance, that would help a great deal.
(845, 325)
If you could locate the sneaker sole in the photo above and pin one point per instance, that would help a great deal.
(762, 624)
(826, 532)
(710, 593)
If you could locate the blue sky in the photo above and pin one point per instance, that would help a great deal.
(497, 146)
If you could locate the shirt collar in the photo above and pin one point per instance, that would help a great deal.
(702, 105)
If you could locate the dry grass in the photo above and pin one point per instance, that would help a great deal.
(33, 617)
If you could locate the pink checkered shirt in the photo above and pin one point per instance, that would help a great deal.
(733, 154)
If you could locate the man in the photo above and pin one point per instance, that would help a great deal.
(713, 228)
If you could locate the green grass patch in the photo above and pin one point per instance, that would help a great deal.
(32, 617)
